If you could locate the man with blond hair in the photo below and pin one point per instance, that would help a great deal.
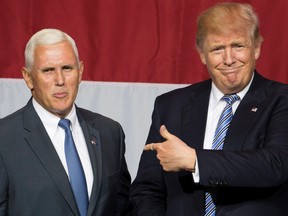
(218, 147)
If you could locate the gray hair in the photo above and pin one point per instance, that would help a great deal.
(46, 37)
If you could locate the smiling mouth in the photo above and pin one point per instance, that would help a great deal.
(229, 70)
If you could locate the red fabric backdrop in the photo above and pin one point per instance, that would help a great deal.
(134, 40)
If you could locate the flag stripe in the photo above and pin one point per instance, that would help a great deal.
(133, 41)
(130, 104)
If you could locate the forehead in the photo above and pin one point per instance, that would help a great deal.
(226, 39)
(62, 51)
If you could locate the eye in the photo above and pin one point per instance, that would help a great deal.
(67, 68)
(217, 50)
(48, 70)
(238, 46)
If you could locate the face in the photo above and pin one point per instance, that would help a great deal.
(55, 77)
(230, 60)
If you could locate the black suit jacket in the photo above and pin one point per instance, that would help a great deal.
(249, 177)
(33, 180)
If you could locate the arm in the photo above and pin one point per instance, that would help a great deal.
(124, 181)
(148, 190)
(261, 160)
(3, 190)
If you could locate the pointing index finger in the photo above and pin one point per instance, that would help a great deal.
(150, 147)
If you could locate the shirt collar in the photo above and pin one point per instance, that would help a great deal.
(51, 121)
(216, 94)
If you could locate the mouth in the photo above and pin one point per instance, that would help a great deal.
(227, 69)
(60, 95)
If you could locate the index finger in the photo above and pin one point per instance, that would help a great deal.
(150, 147)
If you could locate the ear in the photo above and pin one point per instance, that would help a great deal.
(257, 51)
(81, 69)
(27, 77)
(202, 55)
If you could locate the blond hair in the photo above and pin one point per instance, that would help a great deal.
(228, 17)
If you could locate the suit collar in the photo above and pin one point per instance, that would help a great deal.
(247, 113)
(92, 137)
(195, 114)
(39, 141)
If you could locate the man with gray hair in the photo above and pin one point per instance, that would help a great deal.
(56, 158)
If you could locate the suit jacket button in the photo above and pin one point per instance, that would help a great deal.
(211, 181)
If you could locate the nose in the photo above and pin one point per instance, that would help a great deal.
(59, 77)
(228, 56)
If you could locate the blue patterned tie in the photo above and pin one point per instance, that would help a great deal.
(75, 169)
(219, 137)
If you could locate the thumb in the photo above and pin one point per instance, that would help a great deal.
(165, 133)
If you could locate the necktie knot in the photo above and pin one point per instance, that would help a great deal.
(230, 98)
(65, 124)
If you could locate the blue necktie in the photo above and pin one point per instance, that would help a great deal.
(75, 169)
(219, 137)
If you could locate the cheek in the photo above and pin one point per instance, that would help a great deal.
(214, 61)
(246, 57)
(42, 87)
(72, 81)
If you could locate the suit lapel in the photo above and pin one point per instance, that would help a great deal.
(93, 142)
(247, 113)
(42, 146)
(195, 115)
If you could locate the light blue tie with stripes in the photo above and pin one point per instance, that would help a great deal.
(218, 141)
(75, 169)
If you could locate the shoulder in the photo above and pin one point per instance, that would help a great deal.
(97, 121)
(12, 128)
(270, 88)
(196, 87)
(12, 120)
(182, 95)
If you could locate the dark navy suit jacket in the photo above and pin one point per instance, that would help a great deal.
(249, 177)
(33, 180)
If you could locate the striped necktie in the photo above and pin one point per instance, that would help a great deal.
(218, 141)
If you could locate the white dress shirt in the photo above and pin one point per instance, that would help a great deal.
(215, 108)
(57, 136)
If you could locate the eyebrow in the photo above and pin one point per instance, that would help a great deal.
(62, 67)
